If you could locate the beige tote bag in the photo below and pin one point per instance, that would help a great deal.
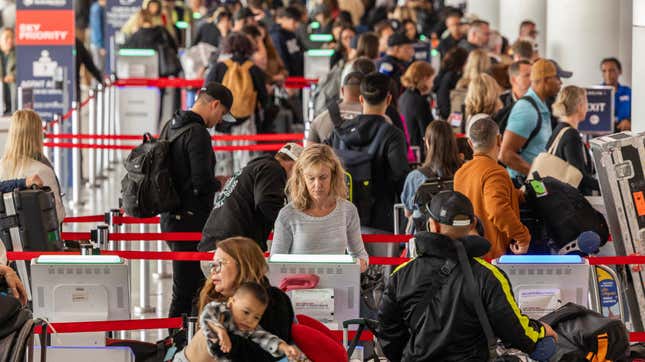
(548, 164)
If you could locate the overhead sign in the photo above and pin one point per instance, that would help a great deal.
(117, 13)
(45, 54)
(600, 111)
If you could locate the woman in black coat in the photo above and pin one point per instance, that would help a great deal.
(413, 103)
(451, 69)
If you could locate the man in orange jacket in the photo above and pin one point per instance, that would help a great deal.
(487, 184)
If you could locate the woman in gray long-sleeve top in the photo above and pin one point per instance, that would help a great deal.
(318, 218)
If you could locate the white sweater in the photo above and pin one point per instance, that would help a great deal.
(48, 176)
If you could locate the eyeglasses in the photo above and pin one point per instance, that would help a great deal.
(216, 265)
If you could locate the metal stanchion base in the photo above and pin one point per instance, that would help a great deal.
(143, 309)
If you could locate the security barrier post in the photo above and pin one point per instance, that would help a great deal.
(58, 152)
(100, 120)
(76, 157)
(91, 171)
(114, 227)
(113, 122)
(107, 116)
(144, 280)
(162, 265)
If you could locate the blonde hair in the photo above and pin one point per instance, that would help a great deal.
(568, 100)
(24, 143)
(315, 155)
(478, 62)
(252, 267)
(482, 95)
(416, 75)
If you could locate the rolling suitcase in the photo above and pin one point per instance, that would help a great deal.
(28, 222)
(619, 160)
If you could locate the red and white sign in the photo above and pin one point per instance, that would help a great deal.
(45, 27)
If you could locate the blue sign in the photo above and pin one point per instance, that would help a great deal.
(117, 13)
(608, 292)
(600, 112)
(422, 51)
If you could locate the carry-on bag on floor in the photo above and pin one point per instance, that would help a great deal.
(619, 161)
(584, 335)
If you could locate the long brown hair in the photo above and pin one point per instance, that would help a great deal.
(252, 267)
(442, 155)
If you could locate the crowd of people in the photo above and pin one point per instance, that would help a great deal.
(384, 124)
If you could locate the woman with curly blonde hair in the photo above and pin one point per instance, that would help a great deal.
(318, 219)
(483, 96)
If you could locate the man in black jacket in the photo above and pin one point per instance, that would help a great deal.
(371, 133)
(192, 170)
(444, 322)
(251, 200)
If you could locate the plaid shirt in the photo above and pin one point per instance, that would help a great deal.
(220, 315)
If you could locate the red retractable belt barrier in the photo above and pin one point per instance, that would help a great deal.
(259, 147)
(176, 323)
(223, 138)
(290, 82)
(84, 219)
(196, 236)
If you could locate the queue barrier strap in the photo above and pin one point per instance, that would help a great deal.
(290, 82)
(176, 323)
(259, 147)
(197, 236)
(84, 219)
(224, 138)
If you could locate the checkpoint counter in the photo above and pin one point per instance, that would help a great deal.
(334, 298)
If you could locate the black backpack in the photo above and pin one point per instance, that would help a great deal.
(501, 118)
(433, 185)
(147, 189)
(586, 335)
(566, 213)
(358, 166)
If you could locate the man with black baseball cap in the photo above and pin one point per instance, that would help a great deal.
(192, 170)
(430, 296)
(398, 56)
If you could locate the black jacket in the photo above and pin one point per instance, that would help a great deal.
(248, 205)
(257, 75)
(277, 320)
(389, 166)
(208, 33)
(443, 84)
(416, 112)
(192, 169)
(150, 38)
(448, 329)
(290, 50)
(446, 44)
(572, 150)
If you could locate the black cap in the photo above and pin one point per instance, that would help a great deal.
(397, 39)
(451, 208)
(222, 94)
(244, 13)
(561, 72)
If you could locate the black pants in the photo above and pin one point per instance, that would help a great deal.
(187, 276)
(187, 281)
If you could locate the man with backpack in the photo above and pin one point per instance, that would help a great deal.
(495, 200)
(528, 127)
(336, 113)
(374, 155)
(192, 171)
(448, 304)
